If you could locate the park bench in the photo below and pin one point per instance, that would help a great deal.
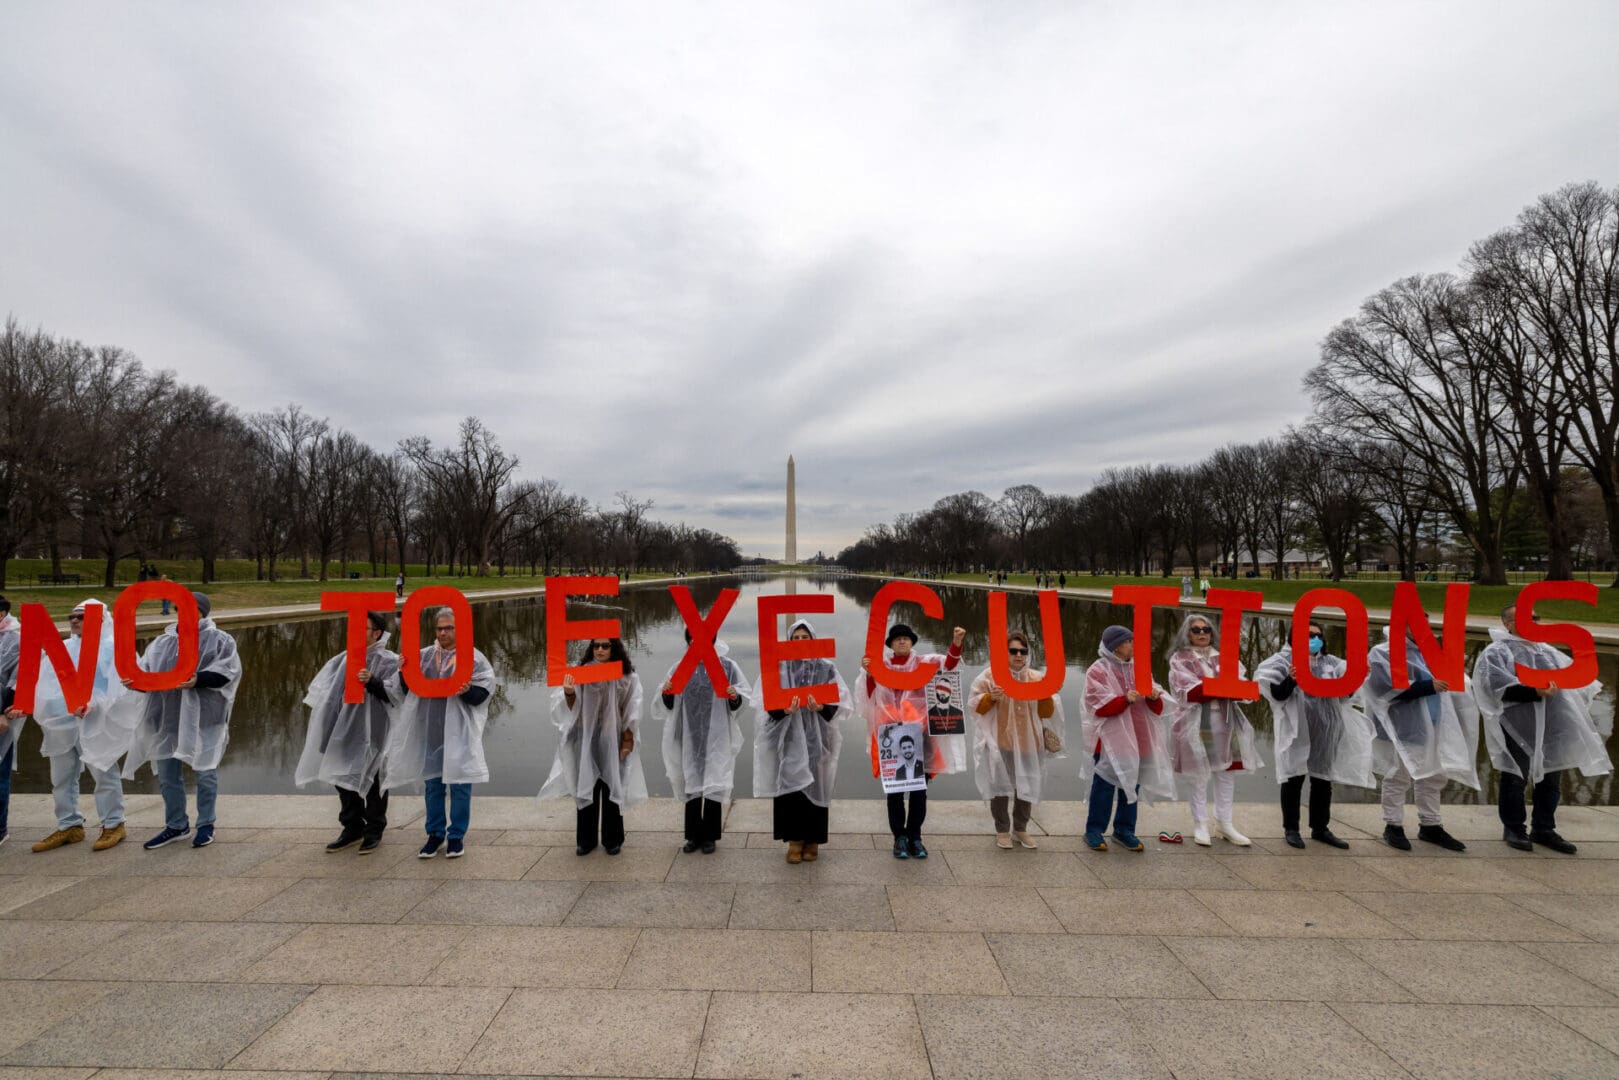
(59, 579)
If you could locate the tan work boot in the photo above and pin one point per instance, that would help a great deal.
(108, 838)
(812, 852)
(795, 852)
(60, 837)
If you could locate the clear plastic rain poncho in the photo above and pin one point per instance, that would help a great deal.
(1009, 741)
(438, 738)
(1322, 737)
(591, 731)
(1132, 747)
(943, 753)
(1212, 735)
(1550, 733)
(105, 732)
(345, 743)
(799, 752)
(10, 653)
(1432, 736)
(701, 734)
(192, 725)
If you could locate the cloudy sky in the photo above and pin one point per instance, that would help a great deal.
(924, 248)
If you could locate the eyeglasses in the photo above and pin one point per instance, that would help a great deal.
(444, 629)
(1018, 652)
(602, 645)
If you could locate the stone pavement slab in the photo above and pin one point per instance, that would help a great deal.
(537, 956)
(187, 899)
(818, 1036)
(811, 906)
(1128, 967)
(917, 963)
(1478, 973)
(1463, 1042)
(1462, 917)
(497, 903)
(593, 1033)
(1259, 913)
(1280, 970)
(646, 904)
(1258, 1040)
(681, 959)
(1083, 1038)
(355, 953)
(1132, 911)
(982, 908)
(1595, 917)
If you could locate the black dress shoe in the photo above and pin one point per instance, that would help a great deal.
(1325, 836)
(584, 849)
(689, 846)
(370, 844)
(615, 849)
(1517, 839)
(347, 840)
(1436, 834)
(1294, 839)
(708, 848)
(1549, 838)
(1394, 837)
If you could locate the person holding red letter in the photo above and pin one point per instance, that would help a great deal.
(1212, 737)
(1131, 746)
(701, 739)
(598, 762)
(879, 705)
(795, 752)
(10, 722)
(187, 726)
(439, 740)
(1319, 737)
(1534, 733)
(1426, 734)
(1012, 743)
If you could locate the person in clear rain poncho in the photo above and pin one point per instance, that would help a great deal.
(1212, 737)
(598, 762)
(1128, 740)
(1012, 743)
(189, 725)
(93, 737)
(345, 743)
(1426, 734)
(439, 740)
(878, 705)
(1534, 734)
(701, 739)
(10, 725)
(795, 752)
(1323, 738)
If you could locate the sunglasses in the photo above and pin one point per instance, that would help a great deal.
(601, 645)
(75, 615)
(1200, 630)
(1018, 652)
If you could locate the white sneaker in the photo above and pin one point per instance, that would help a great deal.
(1200, 833)
(1229, 831)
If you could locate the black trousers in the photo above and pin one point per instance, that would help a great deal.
(1320, 803)
(1548, 793)
(603, 809)
(703, 820)
(899, 823)
(793, 817)
(366, 815)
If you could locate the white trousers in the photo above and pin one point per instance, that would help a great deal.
(1397, 783)
(1225, 787)
(65, 770)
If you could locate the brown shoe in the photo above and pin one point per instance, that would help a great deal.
(108, 838)
(812, 852)
(60, 837)
(795, 852)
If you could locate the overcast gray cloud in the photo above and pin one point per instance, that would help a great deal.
(658, 247)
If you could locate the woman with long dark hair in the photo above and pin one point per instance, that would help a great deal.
(598, 762)
(795, 752)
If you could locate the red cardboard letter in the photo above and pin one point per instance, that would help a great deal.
(1000, 664)
(410, 641)
(703, 632)
(890, 594)
(559, 630)
(1228, 684)
(1578, 639)
(1447, 660)
(359, 605)
(773, 650)
(123, 635)
(1355, 642)
(1143, 598)
(40, 639)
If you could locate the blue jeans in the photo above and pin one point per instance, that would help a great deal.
(1101, 803)
(171, 780)
(5, 787)
(65, 770)
(460, 808)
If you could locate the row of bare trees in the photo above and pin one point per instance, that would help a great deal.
(1476, 411)
(102, 458)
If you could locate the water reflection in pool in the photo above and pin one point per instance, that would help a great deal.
(267, 729)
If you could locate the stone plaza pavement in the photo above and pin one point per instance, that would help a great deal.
(264, 957)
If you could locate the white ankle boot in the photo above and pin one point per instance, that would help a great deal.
(1229, 831)
(1200, 833)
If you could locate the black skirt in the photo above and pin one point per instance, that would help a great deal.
(795, 818)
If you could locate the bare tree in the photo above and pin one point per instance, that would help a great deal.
(1021, 508)
(472, 479)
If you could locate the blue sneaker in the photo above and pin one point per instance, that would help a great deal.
(917, 850)
(204, 837)
(901, 850)
(167, 836)
(1130, 841)
(454, 850)
(1095, 842)
(430, 848)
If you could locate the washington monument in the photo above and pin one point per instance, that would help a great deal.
(791, 555)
